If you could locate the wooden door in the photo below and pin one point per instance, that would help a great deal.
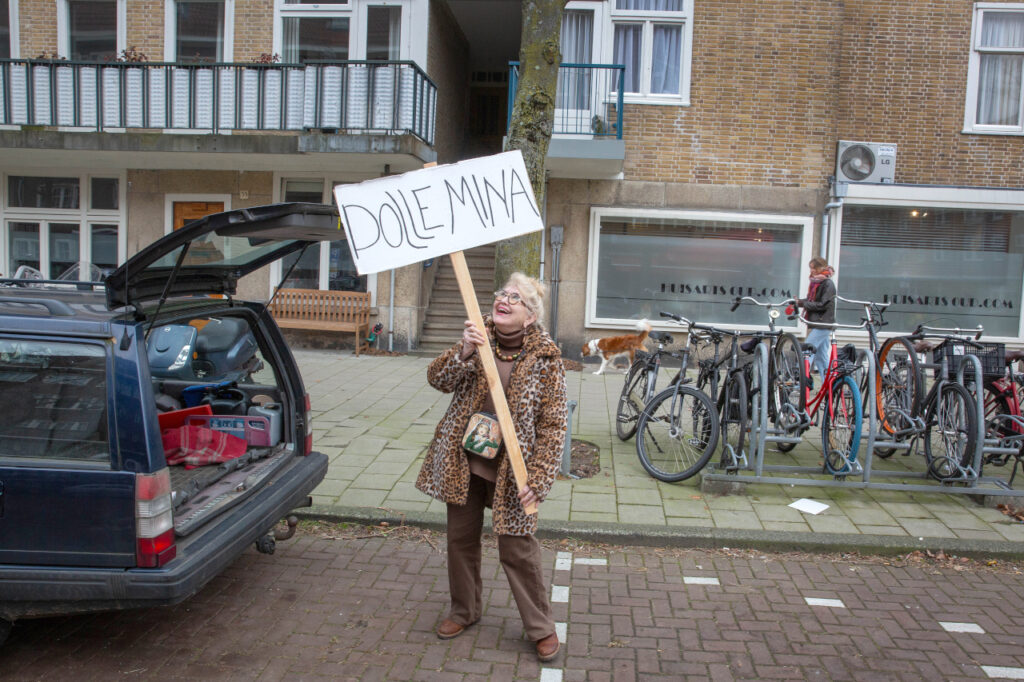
(187, 211)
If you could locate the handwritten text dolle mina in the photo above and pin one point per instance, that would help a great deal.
(404, 219)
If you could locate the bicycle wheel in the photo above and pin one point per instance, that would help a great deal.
(996, 404)
(631, 402)
(733, 418)
(788, 386)
(898, 386)
(840, 426)
(949, 437)
(676, 434)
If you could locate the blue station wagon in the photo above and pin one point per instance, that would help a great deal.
(95, 384)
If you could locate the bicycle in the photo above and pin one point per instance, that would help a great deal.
(640, 384)
(950, 435)
(731, 402)
(842, 419)
(1004, 420)
(786, 380)
(677, 431)
(899, 384)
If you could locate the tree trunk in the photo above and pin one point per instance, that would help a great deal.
(533, 116)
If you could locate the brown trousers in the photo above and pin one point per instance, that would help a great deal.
(519, 556)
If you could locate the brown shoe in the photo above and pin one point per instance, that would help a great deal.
(548, 647)
(449, 629)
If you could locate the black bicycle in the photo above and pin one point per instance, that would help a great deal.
(950, 411)
(641, 382)
(677, 430)
(787, 382)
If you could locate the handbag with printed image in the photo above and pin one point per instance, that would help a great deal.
(483, 435)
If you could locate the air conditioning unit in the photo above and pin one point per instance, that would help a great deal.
(865, 162)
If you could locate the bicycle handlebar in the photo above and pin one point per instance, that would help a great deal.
(763, 304)
(832, 325)
(880, 306)
(923, 330)
(677, 318)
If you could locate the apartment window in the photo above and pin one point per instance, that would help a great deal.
(328, 265)
(313, 38)
(5, 28)
(651, 38)
(943, 267)
(92, 30)
(996, 68)
(67, 226)
(199, 30)
(692, 263)
(383, 32)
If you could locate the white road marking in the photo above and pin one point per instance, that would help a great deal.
(962, 627)
(550, 675)
(696, 580)
(563, 561)
(834, 603)
(1005, 673)
(559, 593)
(584, 561)
(561, 629)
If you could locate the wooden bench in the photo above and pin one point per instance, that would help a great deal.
(342, 311)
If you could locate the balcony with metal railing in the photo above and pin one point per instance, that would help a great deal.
(353, 97)
(587, 134)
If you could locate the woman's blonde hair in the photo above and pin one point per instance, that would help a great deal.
(533, 292)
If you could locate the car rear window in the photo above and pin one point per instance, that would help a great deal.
(54, 397)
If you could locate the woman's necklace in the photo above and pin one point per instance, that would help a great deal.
(506, 358)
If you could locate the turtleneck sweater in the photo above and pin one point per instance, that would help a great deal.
(508, 345)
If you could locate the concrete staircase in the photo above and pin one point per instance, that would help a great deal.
(446, 314)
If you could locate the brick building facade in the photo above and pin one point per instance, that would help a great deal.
(720, 177)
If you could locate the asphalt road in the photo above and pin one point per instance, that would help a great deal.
(355, 603)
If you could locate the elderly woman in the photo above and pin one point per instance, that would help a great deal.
(530, 367)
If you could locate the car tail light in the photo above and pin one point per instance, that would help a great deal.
(154, 524)
(308, 447)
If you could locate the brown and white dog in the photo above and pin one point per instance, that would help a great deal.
(612, 347)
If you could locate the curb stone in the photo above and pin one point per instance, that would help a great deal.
(699, 537)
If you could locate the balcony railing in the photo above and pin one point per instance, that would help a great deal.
(352, 96)
(588, 100)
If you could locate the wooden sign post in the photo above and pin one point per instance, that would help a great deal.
(400, 220)
(508, 429)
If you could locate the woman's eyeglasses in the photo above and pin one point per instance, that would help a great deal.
(513, 297)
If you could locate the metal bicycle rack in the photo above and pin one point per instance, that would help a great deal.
(762, 432)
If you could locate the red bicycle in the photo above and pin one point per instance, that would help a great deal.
(842, 418)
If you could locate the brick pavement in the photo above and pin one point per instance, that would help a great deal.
(342, 606)
(375, 415)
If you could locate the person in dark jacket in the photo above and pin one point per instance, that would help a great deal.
(820, 306)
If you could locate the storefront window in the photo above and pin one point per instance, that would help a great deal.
(942, 267)
(695, 265)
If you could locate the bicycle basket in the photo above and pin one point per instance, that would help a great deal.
(990, 355)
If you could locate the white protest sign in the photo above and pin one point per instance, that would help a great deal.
(404, 219)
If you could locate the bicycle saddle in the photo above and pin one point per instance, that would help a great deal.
(660, 337)
(1013, 356)
(807, 347)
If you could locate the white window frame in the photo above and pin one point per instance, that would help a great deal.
(412, 45)
(328, 198)
(83, 215)
(805, 222)
(12, 17)
(971, 125)
(648, 19)
(939, 197)
(64, 28)
(171, 31)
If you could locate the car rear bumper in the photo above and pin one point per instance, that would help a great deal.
(46, 590)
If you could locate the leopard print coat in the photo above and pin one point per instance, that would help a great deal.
(536, 399)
